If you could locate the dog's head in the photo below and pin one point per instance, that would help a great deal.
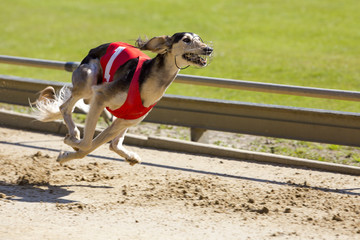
(187, 48)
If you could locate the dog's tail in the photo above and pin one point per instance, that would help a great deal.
(47, 106)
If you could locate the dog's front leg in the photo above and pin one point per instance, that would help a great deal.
(119, 125)
(116, 145)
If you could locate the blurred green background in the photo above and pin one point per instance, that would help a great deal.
(308, 43)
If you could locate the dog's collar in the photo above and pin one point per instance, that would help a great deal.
(180, 67)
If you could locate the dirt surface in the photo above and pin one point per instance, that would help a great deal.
(169, 196)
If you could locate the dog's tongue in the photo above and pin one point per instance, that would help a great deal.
(203, 61)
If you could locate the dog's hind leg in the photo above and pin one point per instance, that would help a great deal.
(96, 108)
(82, 79)
(66, 111)
(116, 145)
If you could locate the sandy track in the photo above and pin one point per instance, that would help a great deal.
(170, 196)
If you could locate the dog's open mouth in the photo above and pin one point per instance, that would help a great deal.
(197, 59)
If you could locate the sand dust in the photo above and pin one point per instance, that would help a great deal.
(169, 196)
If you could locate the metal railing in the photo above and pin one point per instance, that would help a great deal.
(207, 81)
(199, 114)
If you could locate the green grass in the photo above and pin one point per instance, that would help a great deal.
(308, 150)
(309, 43)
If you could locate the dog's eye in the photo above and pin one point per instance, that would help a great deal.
(186, 40)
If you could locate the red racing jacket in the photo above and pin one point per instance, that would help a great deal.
(116, 55)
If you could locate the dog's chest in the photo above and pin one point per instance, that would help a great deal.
(151, 92)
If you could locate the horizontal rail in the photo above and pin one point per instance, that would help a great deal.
(270, 87)
(25, 121)
(40, 63)
(256, 119)
(207, 81)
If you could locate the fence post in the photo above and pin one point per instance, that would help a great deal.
(199, 135)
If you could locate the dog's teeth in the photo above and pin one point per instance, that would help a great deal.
(195, 58)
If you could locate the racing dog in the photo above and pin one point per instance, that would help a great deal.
(125, 81)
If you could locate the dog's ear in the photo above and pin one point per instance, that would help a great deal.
(156, 44)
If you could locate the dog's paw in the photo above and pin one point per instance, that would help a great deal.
(133, 159)
(72, 141)
(62, 157)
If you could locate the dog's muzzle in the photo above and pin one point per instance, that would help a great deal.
(208, 51)
(201, 60)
